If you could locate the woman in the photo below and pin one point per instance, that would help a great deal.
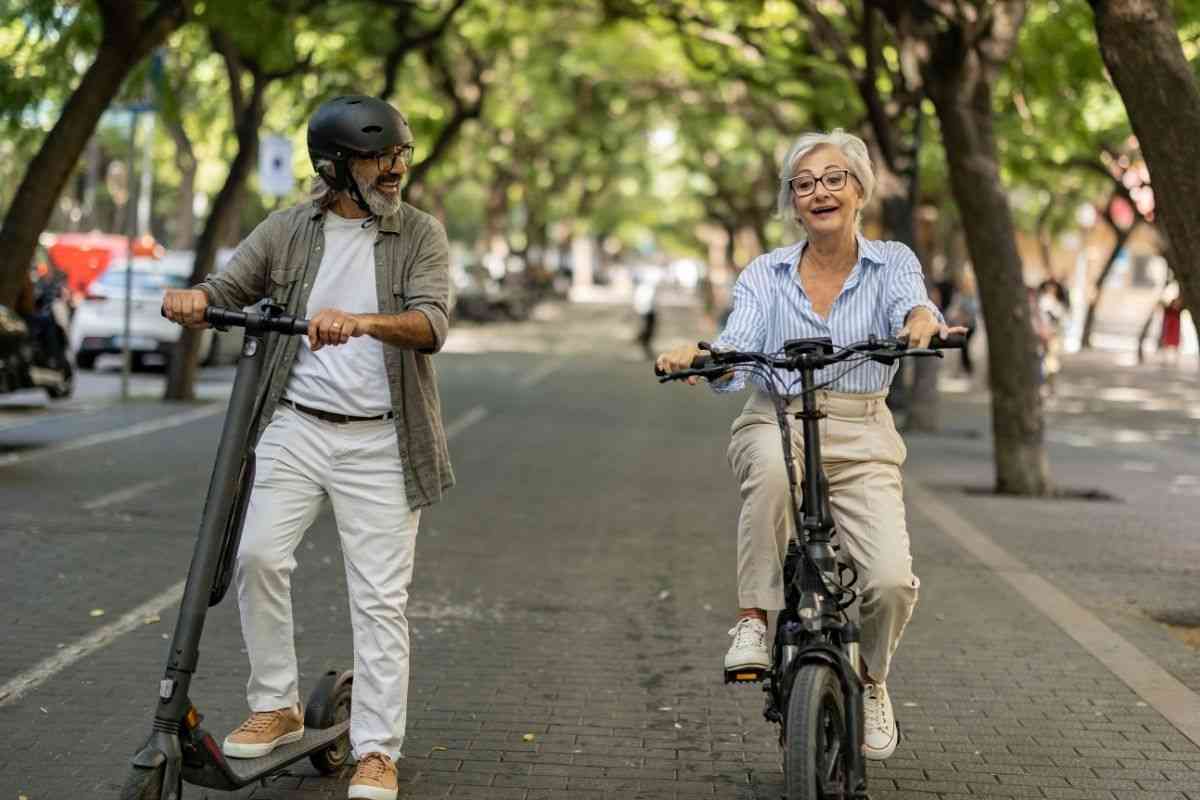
(838, 284)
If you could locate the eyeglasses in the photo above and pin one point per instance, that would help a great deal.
(834, 179)
(386, 161)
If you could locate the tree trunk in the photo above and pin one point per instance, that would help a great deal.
(183, 235)
(181, 375)
(961, 93)
(1089, 321)
(1140, 45)
(127, 38)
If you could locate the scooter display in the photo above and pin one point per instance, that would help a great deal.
(178, 749)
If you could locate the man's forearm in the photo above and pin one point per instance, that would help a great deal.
(408, 329)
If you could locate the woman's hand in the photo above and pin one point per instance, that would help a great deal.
(679, 359)
(921, 326)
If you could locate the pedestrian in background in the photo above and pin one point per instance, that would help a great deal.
(353, 416)
(645, 306)
(1054, 305)
(1172, 329)
(963, 311)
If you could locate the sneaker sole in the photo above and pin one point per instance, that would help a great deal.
(372, 793)
(884, 754)
(243, 750)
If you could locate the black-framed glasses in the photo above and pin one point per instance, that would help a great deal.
(386, 161)
(833, 180)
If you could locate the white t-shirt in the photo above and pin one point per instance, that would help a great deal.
(348, 378)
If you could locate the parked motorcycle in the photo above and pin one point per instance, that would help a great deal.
(33, 346)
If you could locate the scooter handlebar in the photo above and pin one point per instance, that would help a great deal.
(268, 320)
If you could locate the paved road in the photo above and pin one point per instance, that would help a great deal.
(572, 597)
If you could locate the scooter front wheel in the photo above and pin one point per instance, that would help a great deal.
(144, 783)
(815, 756)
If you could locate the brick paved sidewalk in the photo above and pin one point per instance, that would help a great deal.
(568, 645)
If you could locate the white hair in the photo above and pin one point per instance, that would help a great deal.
(320, 192)
(857, 158)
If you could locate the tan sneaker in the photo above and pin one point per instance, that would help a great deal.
(263, 732)
(375, 778)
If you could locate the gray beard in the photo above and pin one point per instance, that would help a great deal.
(380, 204)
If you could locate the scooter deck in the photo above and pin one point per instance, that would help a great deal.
(241, 771)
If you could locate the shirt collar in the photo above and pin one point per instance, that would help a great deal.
(388, 224)
(868, 250)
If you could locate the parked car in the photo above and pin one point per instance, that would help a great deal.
(99, 323)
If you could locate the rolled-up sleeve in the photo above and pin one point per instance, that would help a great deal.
(244, 279)
(428, 288)
(905, 288)
(745, 330)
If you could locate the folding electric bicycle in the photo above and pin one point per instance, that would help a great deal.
(813, 686)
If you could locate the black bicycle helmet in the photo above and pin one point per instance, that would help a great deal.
(353, 126)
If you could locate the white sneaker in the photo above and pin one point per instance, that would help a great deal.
(749, 648)
(880, 733)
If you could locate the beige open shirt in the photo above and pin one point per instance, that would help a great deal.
(280, 258)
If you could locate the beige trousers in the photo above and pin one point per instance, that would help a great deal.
(862, 453)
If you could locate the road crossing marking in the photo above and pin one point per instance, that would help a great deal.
(149, 426)
(16, 688)
(19, 686)
(1159, 688)
(541, 373)
(128, 493)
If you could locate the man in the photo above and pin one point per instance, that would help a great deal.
(350, 413)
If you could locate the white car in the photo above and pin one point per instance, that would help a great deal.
(98, 327)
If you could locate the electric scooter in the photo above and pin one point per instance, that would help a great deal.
(178, 749)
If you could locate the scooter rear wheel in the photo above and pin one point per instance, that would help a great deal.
(328, 705)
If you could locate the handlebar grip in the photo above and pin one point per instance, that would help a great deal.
(699, 362)
(953, 342)
(215, 315)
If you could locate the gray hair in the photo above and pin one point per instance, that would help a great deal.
(852, 147)
(321, 193)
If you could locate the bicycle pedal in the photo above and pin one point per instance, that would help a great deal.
(745, 675)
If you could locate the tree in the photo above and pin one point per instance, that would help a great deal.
(961, 46)
(1141, 47)
(129, 31)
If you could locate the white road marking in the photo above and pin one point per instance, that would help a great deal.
(16, 688)
(1165, 693)
(46, 669)
(465, 421)
(128, 493)
(149, 426)
(541, 373)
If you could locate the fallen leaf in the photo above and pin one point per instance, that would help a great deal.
(97, 612)
(664, 594)
(439, 747)
(529, 737)
(152, 619)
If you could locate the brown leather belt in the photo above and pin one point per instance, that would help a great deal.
(329, 416)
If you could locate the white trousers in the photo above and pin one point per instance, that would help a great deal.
(861, 453)
(301, 461)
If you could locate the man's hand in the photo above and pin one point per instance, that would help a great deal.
(921, 326)
(185, 306)
(331, 326)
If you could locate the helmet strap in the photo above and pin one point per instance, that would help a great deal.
(347, 183)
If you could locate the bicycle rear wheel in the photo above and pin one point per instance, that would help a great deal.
(814, 757)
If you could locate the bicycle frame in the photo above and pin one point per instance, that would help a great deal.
(813, 627)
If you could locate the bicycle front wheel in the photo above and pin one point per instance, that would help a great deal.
(815, 756)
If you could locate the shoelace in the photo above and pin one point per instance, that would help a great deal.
(259, 721)
(373, 766)
(747, 634)
(876, 706)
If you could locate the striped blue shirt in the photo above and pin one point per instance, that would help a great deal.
(771, 307)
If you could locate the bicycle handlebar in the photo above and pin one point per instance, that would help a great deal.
(884, 350)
